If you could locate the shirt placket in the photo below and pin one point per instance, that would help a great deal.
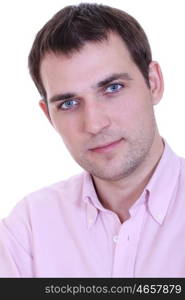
(126, 243)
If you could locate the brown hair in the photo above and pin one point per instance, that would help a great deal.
(73, 26)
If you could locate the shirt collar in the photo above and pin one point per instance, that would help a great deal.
(157, 193)
(162, 185)
(89, 196)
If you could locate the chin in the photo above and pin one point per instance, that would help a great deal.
(108, 175)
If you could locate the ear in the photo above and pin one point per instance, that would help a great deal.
(44, 106)
(156, 82)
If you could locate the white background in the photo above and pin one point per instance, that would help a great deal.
(32, 155)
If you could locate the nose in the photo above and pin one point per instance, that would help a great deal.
(96, 117)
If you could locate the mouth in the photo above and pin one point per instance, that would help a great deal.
(106, 147)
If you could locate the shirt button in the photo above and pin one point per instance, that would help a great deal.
(90, 220)
(115, 239)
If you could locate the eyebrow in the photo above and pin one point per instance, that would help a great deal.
(113, 77)
(106, 81)
(60, 97)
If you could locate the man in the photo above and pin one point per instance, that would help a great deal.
(124, 215)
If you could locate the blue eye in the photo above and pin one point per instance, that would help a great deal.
(115, 87)
(69, 104)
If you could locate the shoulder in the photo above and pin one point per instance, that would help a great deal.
(182, 162)
(68, 189)
(48, 199)
(42, 210)
(182, 168)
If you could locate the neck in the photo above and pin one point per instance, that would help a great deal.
(119, 196)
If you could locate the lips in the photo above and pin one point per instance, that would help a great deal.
(106, 147)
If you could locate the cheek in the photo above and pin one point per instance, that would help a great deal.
(59, 121)
(125, 111)
(133, 113)
(67, 126)
(68, 133)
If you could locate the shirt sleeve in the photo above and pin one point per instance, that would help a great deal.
(15, 244)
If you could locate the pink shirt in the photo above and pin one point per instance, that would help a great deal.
(64, 231)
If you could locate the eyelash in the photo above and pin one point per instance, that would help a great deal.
(115, 84)
(60, 105)
(110, 85)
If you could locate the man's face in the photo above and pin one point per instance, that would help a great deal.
(99, 103)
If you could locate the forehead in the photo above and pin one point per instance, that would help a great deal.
(113, 45)
(92, 63)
